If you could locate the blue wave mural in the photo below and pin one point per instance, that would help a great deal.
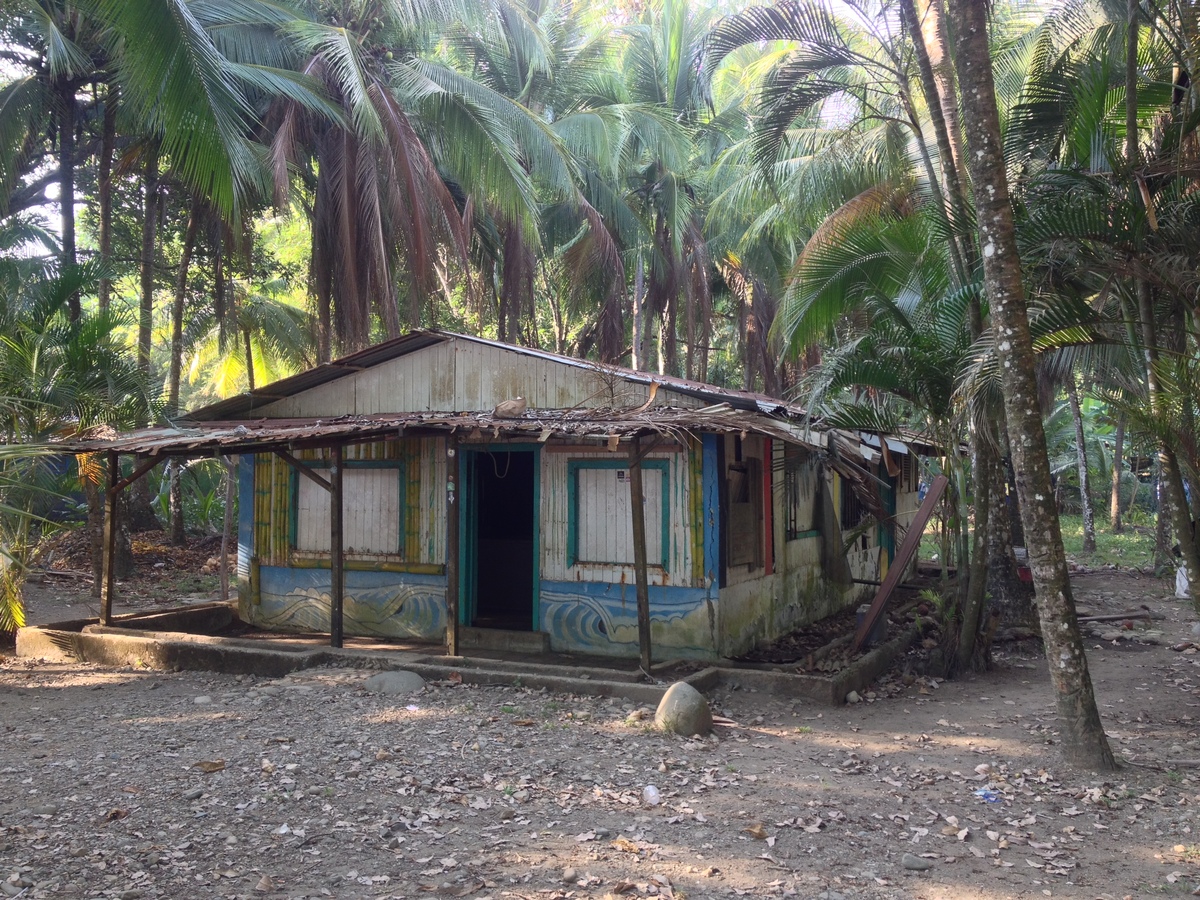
(600, 618)
(384, 604)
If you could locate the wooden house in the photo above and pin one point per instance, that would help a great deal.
(487, 486)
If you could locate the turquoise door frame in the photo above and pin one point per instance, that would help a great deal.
(468, 535)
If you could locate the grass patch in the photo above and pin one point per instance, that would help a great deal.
(1132, 548)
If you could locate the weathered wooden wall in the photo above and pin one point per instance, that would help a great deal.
(461, 375)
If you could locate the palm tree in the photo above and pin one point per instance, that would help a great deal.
(59, 376)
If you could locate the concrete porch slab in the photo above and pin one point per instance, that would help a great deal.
(175, 639)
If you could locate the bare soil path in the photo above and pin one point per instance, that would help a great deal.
(320, 788)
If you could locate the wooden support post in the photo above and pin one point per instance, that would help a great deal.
(112, 496)
(637, 503)
(337, 584)
(453, 501)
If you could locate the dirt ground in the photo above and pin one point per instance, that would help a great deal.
(131, 783)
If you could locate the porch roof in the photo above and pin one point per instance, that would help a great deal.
(235, 436)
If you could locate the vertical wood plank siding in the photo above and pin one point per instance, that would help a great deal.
(695, 455)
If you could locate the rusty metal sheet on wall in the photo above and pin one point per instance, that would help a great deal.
(912, 540)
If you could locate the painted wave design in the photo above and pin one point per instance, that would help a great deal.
(584, 621)
(396, 611)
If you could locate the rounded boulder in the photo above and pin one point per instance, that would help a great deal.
(400, 683)
(683, 710)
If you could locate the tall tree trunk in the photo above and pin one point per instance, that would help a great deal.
(668, 335)
(1172, 477)
(219, 303)
(1162, 522)
(65, 90)
(956, 215)
(140, 515)
(108, 144)
(974, 574)
(1114, 507)
(932, 16)
(175, 371)
(149, 229)
(638, 351)
(248, 349)
(1084, 741)
(1009, 593)
(1085, 483)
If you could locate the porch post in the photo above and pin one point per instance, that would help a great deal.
(336, 577)
(112, 495)
(453, 502)
(637, 504)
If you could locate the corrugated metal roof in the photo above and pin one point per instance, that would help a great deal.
(233, 436)
(244, 405)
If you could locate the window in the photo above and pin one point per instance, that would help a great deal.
(601, 525)
(744, 482)
(799, 480)
(853, 511)
(372, 510)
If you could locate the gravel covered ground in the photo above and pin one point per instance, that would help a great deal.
(131, 783)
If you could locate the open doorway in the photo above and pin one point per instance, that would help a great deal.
(500, 539)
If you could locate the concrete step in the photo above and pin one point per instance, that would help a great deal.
(501, 639)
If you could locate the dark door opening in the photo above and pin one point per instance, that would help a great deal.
(504, 539)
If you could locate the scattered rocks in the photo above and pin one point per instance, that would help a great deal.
(683, 710)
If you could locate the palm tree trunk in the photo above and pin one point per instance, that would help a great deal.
(108, 143)
(975, 572)
(1012, 596)
(1114, 508)
(66, 180)
(149, 227)
(248, 349)
(219, 302)
(933, 101)
(639, 314)
(1085, 483)
(1084, 741)
(932, 17)
(1172, 477)
(140, 515)
(177, 308)
(670, 343)
(178, 537)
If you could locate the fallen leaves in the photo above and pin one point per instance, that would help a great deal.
(208, 766)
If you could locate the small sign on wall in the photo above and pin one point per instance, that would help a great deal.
(622, 476)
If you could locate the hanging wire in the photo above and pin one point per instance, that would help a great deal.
(496, 468)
